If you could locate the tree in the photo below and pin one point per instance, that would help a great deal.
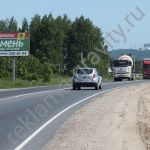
(25, 25)
(52, 41)
(57, 44)
(35, 35)
(83, 38)
(3, 26)
(12, 25)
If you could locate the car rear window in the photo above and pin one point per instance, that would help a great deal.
(84, 71)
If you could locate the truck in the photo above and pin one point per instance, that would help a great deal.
(146, 68)
(123, 68)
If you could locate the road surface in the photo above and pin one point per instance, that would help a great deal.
(29, 117)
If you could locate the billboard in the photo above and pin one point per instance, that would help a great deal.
(14, 44)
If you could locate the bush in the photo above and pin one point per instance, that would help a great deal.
(47, 73)
(29, 68)
(31, 76)
(5, 74)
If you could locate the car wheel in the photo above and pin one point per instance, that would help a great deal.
(115, 79)
(100, 87)
(74, 87)
(96, 87)
(78, 87)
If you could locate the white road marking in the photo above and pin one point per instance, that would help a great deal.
(25, 88)
(28, 94)
(47, 91)
(24, 143)
(122, 82)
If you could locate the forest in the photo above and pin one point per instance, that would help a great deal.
(57, 46)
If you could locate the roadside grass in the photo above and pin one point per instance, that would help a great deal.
(58, 80)
(139, 77)
(55, 80)
(107, 78)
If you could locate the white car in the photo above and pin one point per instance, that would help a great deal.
(87, 77)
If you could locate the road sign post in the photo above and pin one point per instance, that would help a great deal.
(14, 44)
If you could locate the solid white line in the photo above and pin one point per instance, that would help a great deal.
(122, 82)
(22, 95)
(28, 94)
(19, 147)
(24, 88)
(4, 99)
(17, 89)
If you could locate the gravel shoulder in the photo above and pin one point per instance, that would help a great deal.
(118, 120)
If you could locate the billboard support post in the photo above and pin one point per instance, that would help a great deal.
(14, 69)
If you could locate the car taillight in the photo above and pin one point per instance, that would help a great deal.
(94, 75)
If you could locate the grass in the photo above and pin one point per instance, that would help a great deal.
(8, 83)
(57, 80)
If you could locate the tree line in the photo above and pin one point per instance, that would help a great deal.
(58, 45)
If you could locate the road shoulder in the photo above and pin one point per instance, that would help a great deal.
(110, 122)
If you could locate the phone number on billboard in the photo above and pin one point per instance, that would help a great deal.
(14, 53)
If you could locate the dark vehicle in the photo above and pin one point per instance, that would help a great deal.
(146, 68)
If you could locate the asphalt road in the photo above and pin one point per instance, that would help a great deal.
(29, 117)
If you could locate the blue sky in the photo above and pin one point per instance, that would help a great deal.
(106, 14)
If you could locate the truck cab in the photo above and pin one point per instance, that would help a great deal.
(123, 68)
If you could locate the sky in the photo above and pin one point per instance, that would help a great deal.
(124, 23)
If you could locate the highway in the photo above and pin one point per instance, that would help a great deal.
(29, 117)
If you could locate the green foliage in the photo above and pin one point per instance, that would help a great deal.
(25, 25)
(47, 72)
(35, 35)
(5, 67)
(12, 25)
(49, 39)
(26, 67)
(3, 25)
(57, 46)
(30, 68)
(83, 38)
(138, 67)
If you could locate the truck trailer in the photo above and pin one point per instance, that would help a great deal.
(146, 68)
